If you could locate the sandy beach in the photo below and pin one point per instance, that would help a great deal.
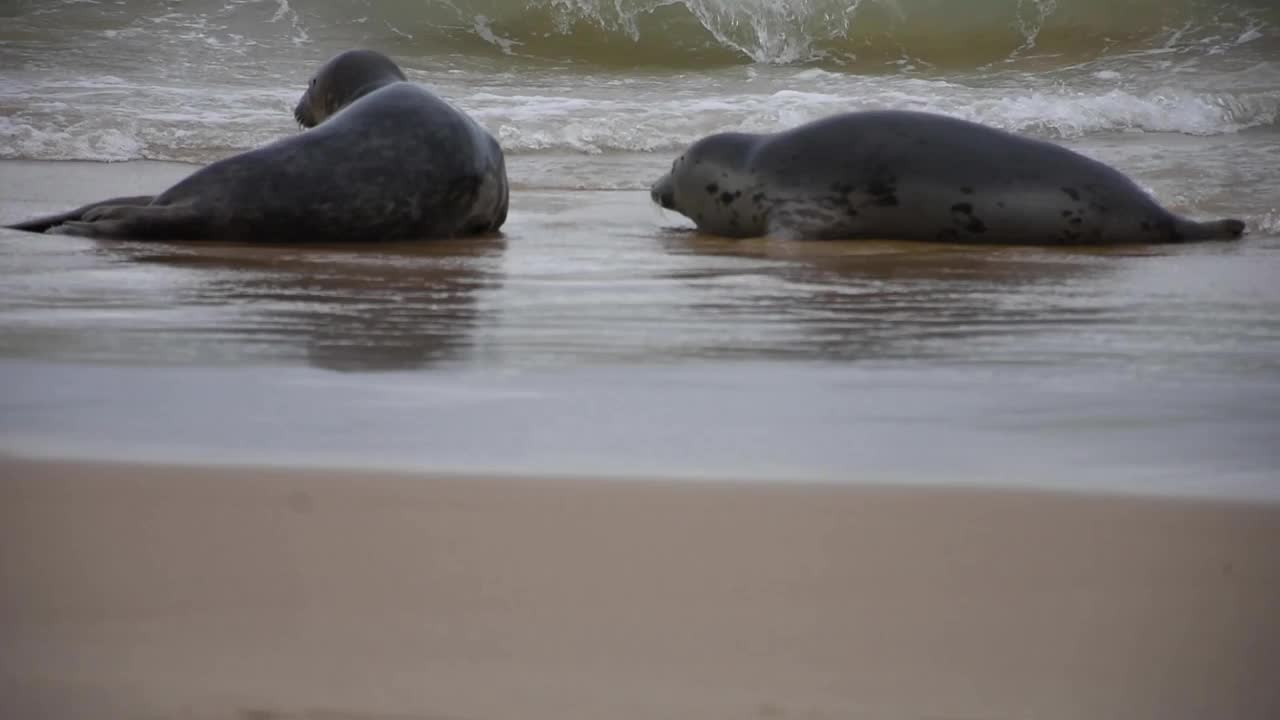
(166, 591)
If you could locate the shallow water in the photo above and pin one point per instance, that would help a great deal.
(598, 334)
(588, 277)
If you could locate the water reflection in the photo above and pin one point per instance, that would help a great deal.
(397, 308)
(572, 295)
(884, 300)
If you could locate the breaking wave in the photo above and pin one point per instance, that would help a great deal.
(147, 79)
(847, 33)
(136, 123)
(690, 33)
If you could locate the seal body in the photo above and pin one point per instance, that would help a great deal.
(385, 160)
(899, 175)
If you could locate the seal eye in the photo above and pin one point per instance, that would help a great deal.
(313, 82)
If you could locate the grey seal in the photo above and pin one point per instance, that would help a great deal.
(899, 175)
(385, 159)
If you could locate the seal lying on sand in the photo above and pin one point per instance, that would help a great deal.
(386, 160)
(914, 176)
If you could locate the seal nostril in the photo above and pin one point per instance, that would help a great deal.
(667, 200)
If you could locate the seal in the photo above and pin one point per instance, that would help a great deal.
(384, 159)
(899, 175)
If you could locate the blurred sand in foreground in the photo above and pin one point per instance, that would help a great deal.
(196, 592)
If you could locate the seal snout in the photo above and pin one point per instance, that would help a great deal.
(302, 112)
(663, 193)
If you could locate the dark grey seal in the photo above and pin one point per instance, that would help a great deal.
(386, 160)
(915, 176)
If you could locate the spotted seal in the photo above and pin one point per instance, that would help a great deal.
(899, 175)
(385, 159)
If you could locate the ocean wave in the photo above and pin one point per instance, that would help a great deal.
(844, 33)
(863, 35)
(626, 122)
(546, 124)
(24, 141)
(65, 97)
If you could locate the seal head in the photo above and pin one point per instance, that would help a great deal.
(347, 77)
(712, 184)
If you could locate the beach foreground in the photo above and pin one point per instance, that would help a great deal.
(197, 592)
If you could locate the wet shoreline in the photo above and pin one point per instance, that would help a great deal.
(740, 422)
(598, 336)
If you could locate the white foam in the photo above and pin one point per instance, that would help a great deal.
(653, 122)
(110, 122)
(483, 28)
(1248, 36)
(1267, 224)
(286, 13)
(18, 140)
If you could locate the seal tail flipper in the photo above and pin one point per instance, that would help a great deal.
(43, 224)
(1190, 231)
(152, 222)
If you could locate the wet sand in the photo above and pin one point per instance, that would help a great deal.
(596, 337)
(168, 591)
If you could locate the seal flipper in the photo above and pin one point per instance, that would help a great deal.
(42, 224)
(1191, 231)
(150, 222)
